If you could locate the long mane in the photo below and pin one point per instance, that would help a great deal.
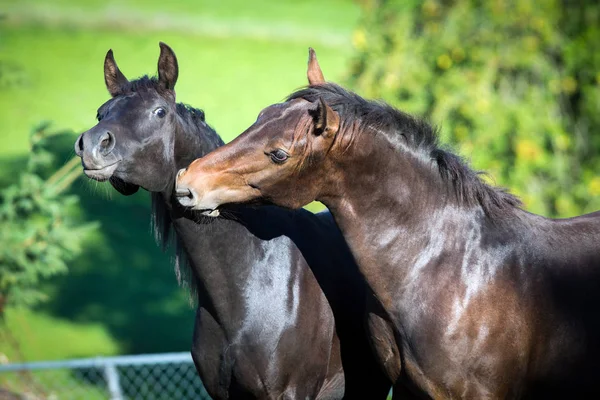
(161, 225)
(421, 137)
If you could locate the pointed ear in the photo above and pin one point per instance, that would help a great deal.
(327, 121)
(113, 77)
(168, 70)
(314, 73)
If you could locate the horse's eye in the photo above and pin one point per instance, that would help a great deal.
(160, 112)
(99, 117)
(278, 156)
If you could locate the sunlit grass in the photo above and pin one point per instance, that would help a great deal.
(47, 338)
(58, 72)
(309, 17)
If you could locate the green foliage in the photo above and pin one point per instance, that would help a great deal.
(38, 232)
(515, 86)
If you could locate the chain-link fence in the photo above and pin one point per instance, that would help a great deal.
(147, 377)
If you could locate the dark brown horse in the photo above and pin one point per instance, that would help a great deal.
(487, 300)
(279, 297)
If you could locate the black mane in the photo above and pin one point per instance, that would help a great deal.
(400, 127)
(161, 225)
(141, 84)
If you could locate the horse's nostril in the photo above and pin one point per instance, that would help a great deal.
(106, 139)
(181, 171)
(79, 146)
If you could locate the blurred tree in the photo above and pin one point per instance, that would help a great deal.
(38, 232)
(515, 85)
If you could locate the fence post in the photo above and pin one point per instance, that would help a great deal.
(112, 380)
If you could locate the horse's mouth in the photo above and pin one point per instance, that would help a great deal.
(101, 174)
(211, 213)
(187, 198)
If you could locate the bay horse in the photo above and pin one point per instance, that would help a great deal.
(487, 300)
(277, 295)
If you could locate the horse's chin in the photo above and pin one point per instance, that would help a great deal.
(125, 188)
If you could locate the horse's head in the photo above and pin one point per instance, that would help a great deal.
(132, 144)
(281, 158)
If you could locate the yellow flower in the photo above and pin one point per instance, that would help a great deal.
(488, 178)
(391, 79)
(430, 8)
(444, 61)
(359, 39)
(528, 150)
(527, 199)
(569, 85)
(594, 186)
(564, 206)
(482, 104)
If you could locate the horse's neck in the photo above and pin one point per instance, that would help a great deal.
(395, 220)
(316, 237)
(228, 262)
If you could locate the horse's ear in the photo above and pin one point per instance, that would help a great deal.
(113, 77)
(314, 73)
(168, 70)
(327, 121)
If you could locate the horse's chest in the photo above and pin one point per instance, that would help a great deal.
(229, 369)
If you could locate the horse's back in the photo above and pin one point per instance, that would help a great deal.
(562, 283)
(519, 317)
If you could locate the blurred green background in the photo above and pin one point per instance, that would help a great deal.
(514, 85)
(120, 295)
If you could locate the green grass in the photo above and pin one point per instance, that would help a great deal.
(231, 79)
(52, 384)
(308, 18)
(235, 58)
(44, 337)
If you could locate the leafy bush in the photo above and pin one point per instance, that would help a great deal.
(38, 232)
(514, 84)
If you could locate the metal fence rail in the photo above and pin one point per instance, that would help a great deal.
(147, 377)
